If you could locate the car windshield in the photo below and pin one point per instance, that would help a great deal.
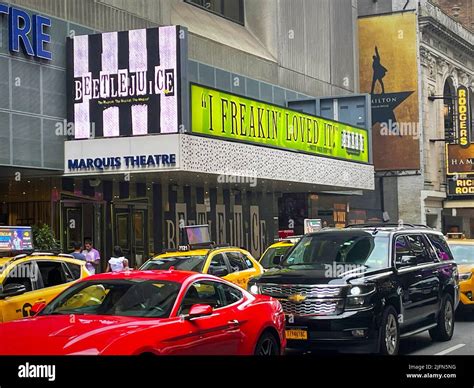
(267, 258)
(182, 263)
(354, 248)
(128, 298)
(463, 253)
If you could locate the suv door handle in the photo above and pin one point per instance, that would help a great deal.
(418, 276)
(234, 322)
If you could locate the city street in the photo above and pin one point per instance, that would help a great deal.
(236, 177)
(462, 342)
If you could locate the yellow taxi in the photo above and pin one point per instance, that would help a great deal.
(463, 253)
(37, 277)
(277, 249)
(231, 263)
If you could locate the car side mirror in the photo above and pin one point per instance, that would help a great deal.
(219, 272)
(277, 259)
(12, 289)
(37, 307)
(199, 310)
(405, 261)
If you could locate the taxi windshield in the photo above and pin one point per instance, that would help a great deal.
(267, 258)
(463, 253)
(182, 263)
(128, 298)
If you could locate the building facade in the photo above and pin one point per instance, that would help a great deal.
(260, 55)
(444, 50)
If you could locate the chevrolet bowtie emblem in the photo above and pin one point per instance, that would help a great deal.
(297, 298)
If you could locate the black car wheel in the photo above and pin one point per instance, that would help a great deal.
(390, 332)
(267, 345)
(445, 327)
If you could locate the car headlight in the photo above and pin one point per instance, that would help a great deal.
(359, 297)
(465, 276)
(362, 290)
(254, 289)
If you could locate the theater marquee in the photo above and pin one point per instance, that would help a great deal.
(124, 83)
(459, 160)
(230, 117)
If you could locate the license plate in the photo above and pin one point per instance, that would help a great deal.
(296, 334)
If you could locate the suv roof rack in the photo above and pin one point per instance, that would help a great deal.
(387, 225)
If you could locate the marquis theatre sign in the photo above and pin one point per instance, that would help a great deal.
(230, 117)
(124, 83)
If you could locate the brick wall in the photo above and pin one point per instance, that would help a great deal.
(460, 10)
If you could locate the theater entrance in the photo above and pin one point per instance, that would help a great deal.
(130, 230)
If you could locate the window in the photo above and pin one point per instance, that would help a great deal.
(52, 273)
(236, 261)
(401, 248)
(73, 271)
(215, 294)
(441, 246)
(182, 263)
(248, 262)
(218, 267)
(348, 248)
(128, 298)
(230, 9)
(24, 274)
(463, 253)
(267, 259)
(419, 249)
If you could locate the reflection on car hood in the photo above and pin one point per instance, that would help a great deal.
(66, 334)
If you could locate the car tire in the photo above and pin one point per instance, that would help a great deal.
(390, 332)
(267, 345)
(445, 326)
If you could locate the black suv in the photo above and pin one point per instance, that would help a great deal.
(363, 288)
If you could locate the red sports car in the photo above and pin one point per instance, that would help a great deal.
(150, 312)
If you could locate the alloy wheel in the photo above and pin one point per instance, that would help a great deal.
(448, 317)
(267, 347)
(391, 334)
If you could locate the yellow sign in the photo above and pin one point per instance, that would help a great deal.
(220, 114)
(296, 334)
(389, 72)
(463, 117)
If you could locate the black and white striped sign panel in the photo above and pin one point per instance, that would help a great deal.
(124, 83)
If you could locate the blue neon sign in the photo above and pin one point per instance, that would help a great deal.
(27, 32)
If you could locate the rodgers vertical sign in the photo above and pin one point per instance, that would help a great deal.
(464, 130)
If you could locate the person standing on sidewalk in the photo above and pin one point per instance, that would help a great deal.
(118, 262)
(92, 257)
(77, 251)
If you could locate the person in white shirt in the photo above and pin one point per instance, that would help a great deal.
(118, 262)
